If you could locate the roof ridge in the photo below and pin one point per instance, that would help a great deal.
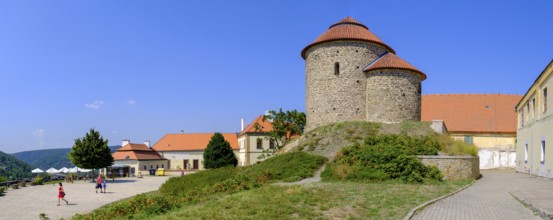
(472, 94)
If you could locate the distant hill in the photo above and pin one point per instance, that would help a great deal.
(10, 166)
(44, 159)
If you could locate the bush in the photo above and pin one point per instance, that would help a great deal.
(288, 167)
(38, 180)
(385, 157)
(451, 146)
(23, 184)
(15, 186)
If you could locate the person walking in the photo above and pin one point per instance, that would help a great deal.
(61, 195)
(104, 183)
(99, 183)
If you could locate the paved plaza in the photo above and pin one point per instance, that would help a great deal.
(491, 197)
(28, 202)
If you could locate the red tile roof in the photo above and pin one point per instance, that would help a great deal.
(266, 126)
(392, 61)
(185, 142)
(471, 113)
(347, 29)
(136, 152)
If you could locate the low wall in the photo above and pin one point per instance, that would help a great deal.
(454, 167)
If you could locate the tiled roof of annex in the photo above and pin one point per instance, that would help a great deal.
(347, 29)
(265, 126)
(191, 141)
(136, 152)
(392, 61)
(472, 113)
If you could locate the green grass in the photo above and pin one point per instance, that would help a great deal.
(287, 167)
(179, 186)
(331, 200)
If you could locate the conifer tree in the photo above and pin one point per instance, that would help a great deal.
(218, 153)
(91, 151)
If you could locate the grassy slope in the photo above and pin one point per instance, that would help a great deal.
(342, 200)
(10, 166)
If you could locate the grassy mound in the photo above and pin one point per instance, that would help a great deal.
(329, 139)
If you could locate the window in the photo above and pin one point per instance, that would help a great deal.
(542, 159)
(534, 106)
(337, 69)
(162, 166)
(157, 166)
(151, 166)
(259, 143)
(468, 139)
(545, 100)
(528, 111)
(526, 153)
(271, 144)
(522, 117)
(145, 167)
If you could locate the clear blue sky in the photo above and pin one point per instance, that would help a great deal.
(141, 69)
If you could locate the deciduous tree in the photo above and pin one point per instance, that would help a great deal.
(91, 151)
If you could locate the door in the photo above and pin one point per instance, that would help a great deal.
(196, 165)
(186, 164)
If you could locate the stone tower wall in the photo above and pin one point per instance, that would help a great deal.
(393, 96)
(329, 97)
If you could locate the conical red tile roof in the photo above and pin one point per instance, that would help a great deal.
(347, 29)
(392, 61)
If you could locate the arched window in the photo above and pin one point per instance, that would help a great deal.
(337, 69)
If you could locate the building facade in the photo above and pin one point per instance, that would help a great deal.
(254, 142)
(535, 127)
(485, 120)
(185, 151)
(135, 159)
(351, 75)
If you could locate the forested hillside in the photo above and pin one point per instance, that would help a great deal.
(10, 166)
(45, 159)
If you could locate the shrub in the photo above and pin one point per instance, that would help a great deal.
(38, 180)
(385, 157)
(23, 184)
(15, 186)
(451, 146)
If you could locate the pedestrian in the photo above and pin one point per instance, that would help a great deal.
(99, 183)
(104, 182)
(61, 195)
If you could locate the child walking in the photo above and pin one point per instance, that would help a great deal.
(61, 195)
(104, 182)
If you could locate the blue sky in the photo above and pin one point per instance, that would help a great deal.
(141, 69)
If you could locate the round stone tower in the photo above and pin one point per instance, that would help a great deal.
(342, 73)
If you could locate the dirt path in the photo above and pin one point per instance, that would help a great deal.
(29, 202)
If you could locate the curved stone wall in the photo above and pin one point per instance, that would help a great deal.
(332, 97)
(393, 96)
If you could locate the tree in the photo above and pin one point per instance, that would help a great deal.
(218, 153)
(285, 125)
(91, 151)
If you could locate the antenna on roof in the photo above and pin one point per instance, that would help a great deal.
(181, 131)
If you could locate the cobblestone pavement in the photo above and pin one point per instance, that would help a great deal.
(489, 198)
(28, 202)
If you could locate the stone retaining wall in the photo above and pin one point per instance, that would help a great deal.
(454, 167)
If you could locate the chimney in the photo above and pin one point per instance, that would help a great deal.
(242, 123)
(125, 142)
(147, 143)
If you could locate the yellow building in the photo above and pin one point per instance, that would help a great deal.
(535, 127)
(485, 120)
(254, 141)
